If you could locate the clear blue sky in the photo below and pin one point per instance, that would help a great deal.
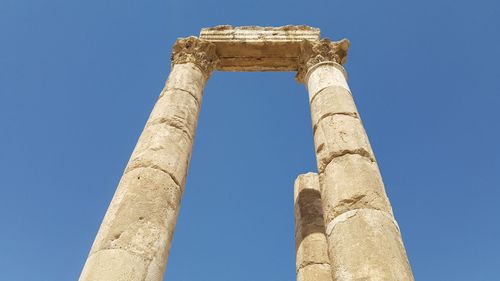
(78, 80)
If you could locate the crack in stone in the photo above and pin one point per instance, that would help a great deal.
(309, 263)
(350, 114)
(351, 213)
(362, 201)
(328, 87)
(171, 122)
(121, 249)
(155, 167)
(360, 151)
(164, 93)
(352, 201)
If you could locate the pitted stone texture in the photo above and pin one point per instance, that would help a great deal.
(337, 135)
(167, 139)
(178, 109)
(330, 101)
(312, 249)
(367, 245)
(352, 182)
(197, 51)
(325, 75)
(310, 239)
(308, 208)
(165, 148)
(315, 272)
(141, 215)
(256, 48)
(120, 265)
(138, 227)
(187, 77)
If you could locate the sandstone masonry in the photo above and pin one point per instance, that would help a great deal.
(344, 224)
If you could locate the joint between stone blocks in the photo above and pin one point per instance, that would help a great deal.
(351, 213)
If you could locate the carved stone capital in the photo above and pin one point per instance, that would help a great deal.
(197, 51)
(324, 50)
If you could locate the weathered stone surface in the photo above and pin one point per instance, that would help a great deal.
(312, 249)
(255, 48)
(361, 240)
(337, 135)
(310, 239)
(141, 215)
(197, 51)
(134, 238)
(314, 53)
(315, 272)
(352, 182)
(187, 77)
(178, 109)
(330, 101)
(165, 148)
(366, 245)
(323, 75)
(120, 265)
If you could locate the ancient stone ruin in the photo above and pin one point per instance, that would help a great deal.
(344, 225)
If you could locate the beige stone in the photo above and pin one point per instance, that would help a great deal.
(311, 247)
(141, 215)
(165, 148)
(120, 265)
(315, 272)
(189, 78)
(353, 182)
(366, 245)
(134, 238)
(361, 240)
(337, 135)
(330, 101)
(254, 48)
(323, 75)
(177, 109)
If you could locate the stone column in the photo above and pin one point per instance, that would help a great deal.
(310, 241)
(364, 240)
(134, 238)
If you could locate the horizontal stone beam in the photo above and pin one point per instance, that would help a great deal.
(253, 48)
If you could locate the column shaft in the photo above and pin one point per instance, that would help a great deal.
(134, 238)
(310, 241)
(364, 241)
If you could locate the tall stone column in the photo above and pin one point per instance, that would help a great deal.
(310, 241)
(364, 240)
(134, 238)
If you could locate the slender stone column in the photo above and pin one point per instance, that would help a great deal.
(364, 240)
(134, 238)
(310, 240)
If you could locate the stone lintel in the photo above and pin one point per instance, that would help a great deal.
(254, 48)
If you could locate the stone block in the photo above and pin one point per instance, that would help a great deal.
(325, 75)
(337, 135)
(315, 272)
(256, 48)
(163, 147)
(312, 249)
(352, 182)
(311, 245)
(366, 245)
(187, 77)
(142, 215)
(330, 101)
(120, 265)
(178, 109)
